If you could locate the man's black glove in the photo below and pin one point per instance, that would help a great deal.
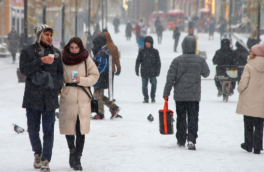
(118, 72)
(137, 74)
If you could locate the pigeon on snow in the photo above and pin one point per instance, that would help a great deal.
(150, 118)
(18, 129)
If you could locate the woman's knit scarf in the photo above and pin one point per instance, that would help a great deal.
(73, 60)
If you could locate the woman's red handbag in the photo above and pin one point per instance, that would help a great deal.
(166, 120)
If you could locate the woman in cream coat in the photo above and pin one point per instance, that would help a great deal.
(251, 99)
(75, 105)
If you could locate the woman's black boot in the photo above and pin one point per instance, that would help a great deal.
(72, 158)
(78, 165)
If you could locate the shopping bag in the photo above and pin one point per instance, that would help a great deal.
(166, 120)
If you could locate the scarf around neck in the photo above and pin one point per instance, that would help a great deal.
(68, 59)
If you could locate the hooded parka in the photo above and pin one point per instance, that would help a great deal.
(74, 101)
(149, 60)
(185, 73)
(251, 89)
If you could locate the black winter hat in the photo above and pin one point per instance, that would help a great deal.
(98, 42)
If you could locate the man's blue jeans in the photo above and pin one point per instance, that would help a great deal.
(33, 122)
(153, 82)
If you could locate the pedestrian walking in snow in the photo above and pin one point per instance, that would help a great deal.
(101, 59)
(75, 105)
(222, 29)
(176, 37)
(116, 23)
(13, 40)
(242, 57)
(116, 66)
(185, 75)
(129, 29)
(137, 30)
(159, 31)
(211, 30)
(149, 61)
(251, 100)
(225, 56)
(44, 76)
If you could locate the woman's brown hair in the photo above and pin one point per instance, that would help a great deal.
(75, 40)
(251, 56)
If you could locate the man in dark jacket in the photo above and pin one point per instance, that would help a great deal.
(101, 59)
(13, 40)
(159, 31)
(44, 79)
(225, 56)
(185, 75)
(116, 23)
(149, 59)
(176, 37)
(129, 29)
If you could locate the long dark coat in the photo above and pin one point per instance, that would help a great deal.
(13, 40)
(40, 97)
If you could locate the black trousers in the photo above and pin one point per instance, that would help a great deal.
(190, 109)
(14, 56)
(79, 140)
(253, 128)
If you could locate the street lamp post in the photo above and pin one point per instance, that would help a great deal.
(2, 21)
(25, 23)
(44, 12)
(102, 14)
(259, 11)
(76, 17)
(89, 14)
(106, 13)
(63, 26)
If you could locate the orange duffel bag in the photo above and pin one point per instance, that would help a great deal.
(166, 120)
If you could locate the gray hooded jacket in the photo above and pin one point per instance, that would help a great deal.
(185, 73)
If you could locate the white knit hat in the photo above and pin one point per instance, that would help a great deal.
(40, 29)
(258, 49)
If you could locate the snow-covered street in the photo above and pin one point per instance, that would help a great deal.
(133, 143)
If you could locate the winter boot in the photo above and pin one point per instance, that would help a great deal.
(180, 145)
(78, 165)
(256, 151)
(114, 111)
(37, 161)
(219, 94)
(117, 116)
(153, 101)
(146, 101)
(72, 158)
(45, 166)
(191, 146)
(98, 116)
(246, 147)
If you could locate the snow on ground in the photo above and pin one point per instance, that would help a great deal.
(133, 143)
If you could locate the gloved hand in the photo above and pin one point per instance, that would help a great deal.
(137, 73)
(118, 72)
(166, 98)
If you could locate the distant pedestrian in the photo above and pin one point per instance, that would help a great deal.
(185, 76)
(44, 80)
(101, 59)
(176, 37)
(129, 29)
(253, 39)
(159, 31)
(251, 100)
(149, 62)
(211, 30)
(116, 23)
(87, 41)
(222, 29)
(75, 105)
(13, 40)
(137, 30)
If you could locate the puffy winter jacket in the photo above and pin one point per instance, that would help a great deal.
(185, 73)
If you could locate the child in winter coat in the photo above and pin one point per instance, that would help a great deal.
(251, 100)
